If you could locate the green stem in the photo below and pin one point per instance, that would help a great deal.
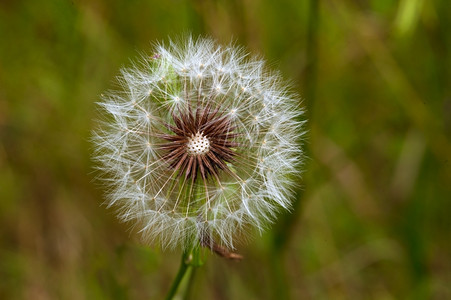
(190, 260)
(185, 265)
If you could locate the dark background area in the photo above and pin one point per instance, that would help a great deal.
(372, 220)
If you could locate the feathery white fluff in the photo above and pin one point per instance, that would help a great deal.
(146, 189)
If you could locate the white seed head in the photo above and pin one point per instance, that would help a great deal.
(201, 143)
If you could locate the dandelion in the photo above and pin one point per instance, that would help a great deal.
(200, 143)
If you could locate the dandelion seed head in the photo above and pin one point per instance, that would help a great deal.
(202, 141)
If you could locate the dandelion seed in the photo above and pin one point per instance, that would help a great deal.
(201, 143)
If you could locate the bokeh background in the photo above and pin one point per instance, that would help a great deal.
(372, 220)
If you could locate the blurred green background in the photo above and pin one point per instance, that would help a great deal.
(372, 220)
